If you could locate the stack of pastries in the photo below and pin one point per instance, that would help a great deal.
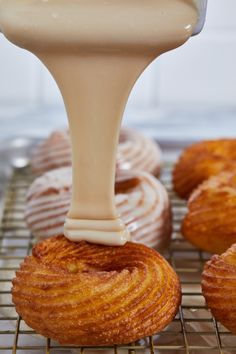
(219, 287)
(87, 294)
(206, 175)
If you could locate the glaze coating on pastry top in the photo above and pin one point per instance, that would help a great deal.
(219, 287)
(84, 294)
(141, 199)
(135, 151)
(138, 152)
(200, 161)
(210, 223)
(54, 152)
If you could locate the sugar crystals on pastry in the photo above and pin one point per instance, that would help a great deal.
(219, 287)
(200, 161)
(87, 294)
(210, 223)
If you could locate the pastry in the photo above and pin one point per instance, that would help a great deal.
(201, 161)
(138, 152)
(135, 151)
(141, 199)
(86, 294)
(219, 287)
(210, 223)
(54, 152)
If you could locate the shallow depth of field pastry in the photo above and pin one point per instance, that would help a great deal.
(84, 294)
(135, 151)
(54, 152)
(210, 223)
(138, 152)
(219, 287)
(141, 200)
(201, 161)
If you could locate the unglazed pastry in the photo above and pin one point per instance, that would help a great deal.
(201, 161)
(219, 287)
(84, 294)
(96, 60)
(135, 151)
(210, 223)
(141, 199)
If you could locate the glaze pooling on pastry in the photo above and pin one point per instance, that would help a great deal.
(219, 287)
(135, 152)
(141, 200)
(201, 161)
(83, 294)
(210, 223)
(54, 152)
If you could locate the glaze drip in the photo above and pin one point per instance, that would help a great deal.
(96, 50)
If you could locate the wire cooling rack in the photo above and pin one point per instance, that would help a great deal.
(193, 330)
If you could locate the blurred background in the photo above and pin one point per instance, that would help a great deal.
(189, 93)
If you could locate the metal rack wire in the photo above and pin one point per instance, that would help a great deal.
(194, 330)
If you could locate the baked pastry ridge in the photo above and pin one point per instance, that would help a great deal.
(210, 223)
(84, 294)
(200, 161)
(219, 287)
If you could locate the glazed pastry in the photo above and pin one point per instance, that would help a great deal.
(201, 161)
(52, 153)
(141, 199)
(138, 152)
(210, 223)
(219, 287)
(135, 151)
(85, 294)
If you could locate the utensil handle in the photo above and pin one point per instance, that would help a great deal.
(202, 6)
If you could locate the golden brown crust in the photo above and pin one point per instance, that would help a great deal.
(219, 287)
(201, 161)
(210, 223)
(84, 294)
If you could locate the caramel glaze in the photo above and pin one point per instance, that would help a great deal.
(96, 51)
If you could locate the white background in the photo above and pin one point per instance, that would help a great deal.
(198, 77)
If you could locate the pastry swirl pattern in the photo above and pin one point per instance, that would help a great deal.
(142, 202)
(138, 152)
(135, 152)
(210, 221)
(219, 287)
(84, 294)
(201, 161)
